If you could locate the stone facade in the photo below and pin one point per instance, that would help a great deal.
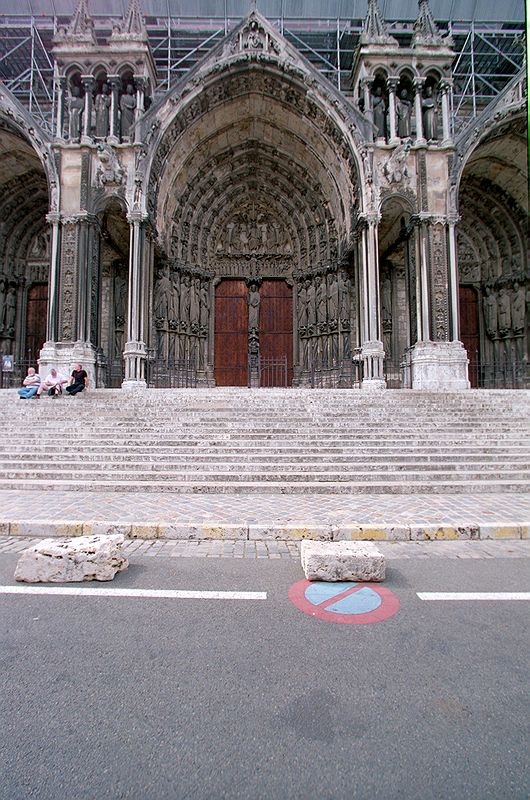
(254, 169)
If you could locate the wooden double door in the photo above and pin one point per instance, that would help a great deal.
(231, 329)
(36, 317)
(469, 330)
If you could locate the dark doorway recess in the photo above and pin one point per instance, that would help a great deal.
(469, 330)
(231, 334)
(276, 326)
(36, 319)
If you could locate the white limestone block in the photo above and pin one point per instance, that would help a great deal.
(82, 558)
(342, 561)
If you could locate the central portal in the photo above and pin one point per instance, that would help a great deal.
(250, 319)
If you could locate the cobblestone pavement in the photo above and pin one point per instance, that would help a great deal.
(291, 550)
(261, 509)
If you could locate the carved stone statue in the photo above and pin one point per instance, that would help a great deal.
(205, 305)
(102, 107)
(490, 313)
(403, 112)
(75, 113)
(127, 106)
(505, 316)
(301, 307)
(311, 304)
(322, 301)
(518, 309)
(386, 300)
(194, 301)
(3, 288)
(253, 307)
(9, 312)
(333, 297)
(164, 299)
(345, 296)
(379, 112)
(185, 299)
(428, 107)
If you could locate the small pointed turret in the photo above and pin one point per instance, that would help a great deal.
(374, 28)
(133, 26)
(425, 28)
(81, 27)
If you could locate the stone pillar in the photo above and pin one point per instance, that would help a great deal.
(445, 88)
(70, 306)
(88, 85)
(454, 310)
(53, 283)
(391, 86)
(140, 267)
(115, 84)
(140, 81)
(60, 88)
(418, 89)
(438, 362)
(372, 352)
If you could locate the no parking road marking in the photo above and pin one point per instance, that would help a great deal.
(473, 595)
(172, 594)
(346, 603)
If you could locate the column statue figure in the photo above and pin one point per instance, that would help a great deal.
(76, 105)
(428, 106)
(253, 307)
(379, 112)
(102, 106)
(490, 313)
(127, 107)
(403, 112)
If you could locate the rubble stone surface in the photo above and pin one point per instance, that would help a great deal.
(82, 558)
(342, 561)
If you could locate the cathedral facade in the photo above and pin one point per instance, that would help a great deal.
(252, 225)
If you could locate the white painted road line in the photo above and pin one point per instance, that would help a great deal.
(171, 594)
(473, 595)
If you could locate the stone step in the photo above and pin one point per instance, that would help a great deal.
(315, 459)
(308, 468)
(263, 478)
(327, 487)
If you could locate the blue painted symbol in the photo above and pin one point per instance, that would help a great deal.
(357, 601)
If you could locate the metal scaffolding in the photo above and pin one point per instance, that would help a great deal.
(487, 55)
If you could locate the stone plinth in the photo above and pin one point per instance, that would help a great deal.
(83, 558)
(439, 366)
(342, 561)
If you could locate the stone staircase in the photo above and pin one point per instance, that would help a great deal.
(294, 441)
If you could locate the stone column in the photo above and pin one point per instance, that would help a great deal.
(418, 89)
(391, 86)
(115, 84)
(60, 88)
(140, 81)
(454, 310)
(140, 258)
(53, 283)
(372, 352)
(445, 88)
(88, 85)
(438, 362)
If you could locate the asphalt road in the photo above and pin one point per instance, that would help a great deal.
(153, 699)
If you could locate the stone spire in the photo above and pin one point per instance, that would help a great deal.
(425, 28)
(81, 27)
(133, 26)
(374, 28)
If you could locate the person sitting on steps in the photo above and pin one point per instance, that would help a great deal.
(54, 383)
(31, 384)
(78, 380)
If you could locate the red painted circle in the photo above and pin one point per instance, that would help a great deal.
(389, 605)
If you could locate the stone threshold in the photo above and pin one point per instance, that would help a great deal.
(171, 531)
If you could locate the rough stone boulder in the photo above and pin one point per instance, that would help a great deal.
(342, 561)
(83, 558)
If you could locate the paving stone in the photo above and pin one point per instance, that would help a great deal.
(342, 561)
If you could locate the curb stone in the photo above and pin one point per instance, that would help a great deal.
(263, 532)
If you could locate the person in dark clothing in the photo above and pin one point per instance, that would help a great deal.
(78, 380)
